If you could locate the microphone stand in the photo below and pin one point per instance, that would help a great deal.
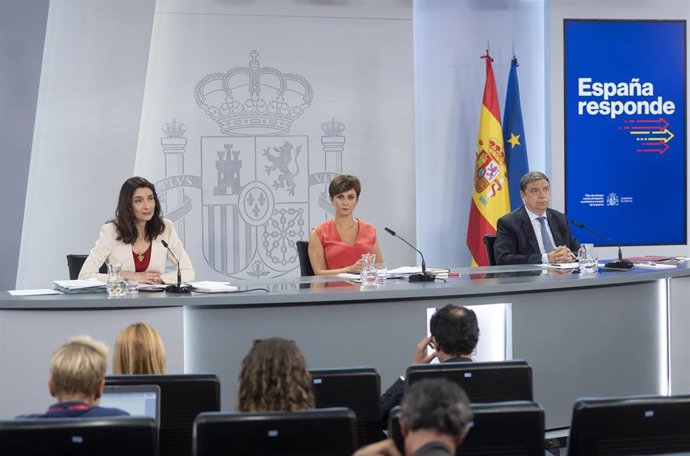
(620, 263)
(179, 288)
(424, 276)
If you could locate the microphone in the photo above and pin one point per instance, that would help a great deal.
(424, 276)
(620, 263)
(175, 288)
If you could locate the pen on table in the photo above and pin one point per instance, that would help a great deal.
(448, 274)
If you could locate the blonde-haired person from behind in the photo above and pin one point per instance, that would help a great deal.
(274, 378)
(139, 350)
(77, 379)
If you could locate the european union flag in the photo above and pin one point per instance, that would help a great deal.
(514, 137)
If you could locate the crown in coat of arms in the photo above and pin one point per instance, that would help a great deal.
(254, 100)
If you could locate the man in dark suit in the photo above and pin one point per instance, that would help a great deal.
(534, 233)
(454, 336)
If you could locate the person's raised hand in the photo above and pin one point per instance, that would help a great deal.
(420, 355)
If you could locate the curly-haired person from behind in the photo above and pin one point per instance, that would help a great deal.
(139, 350)
(77, 379)
(454, 336)
(274, 377)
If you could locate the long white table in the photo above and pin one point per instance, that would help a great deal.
(613, 333)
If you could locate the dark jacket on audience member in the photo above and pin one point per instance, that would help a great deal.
(393, 395)
(75, 409)
(433, 449)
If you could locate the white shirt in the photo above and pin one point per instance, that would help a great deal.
(536, 225)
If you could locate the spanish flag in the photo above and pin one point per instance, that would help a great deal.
(490, 197)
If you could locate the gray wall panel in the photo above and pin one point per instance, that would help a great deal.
(22, 33)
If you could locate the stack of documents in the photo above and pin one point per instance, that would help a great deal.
(208, 286)
(79, 286)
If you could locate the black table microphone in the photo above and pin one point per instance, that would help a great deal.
(424, 276)
(620, 263)
(175, 288)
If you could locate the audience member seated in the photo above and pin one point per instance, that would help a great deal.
(434, 420)
(454, 336)
(274, 378)
(77, 378)
(139, 350)
(135, 238)
(337, 245)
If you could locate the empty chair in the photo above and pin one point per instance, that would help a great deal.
(183, 397)
(630, 426)
(495, 381)
(75, 262)
(79, 436)
(305, 268)
(357, 388)
(500, 429)
(307, 432)
(489, 240)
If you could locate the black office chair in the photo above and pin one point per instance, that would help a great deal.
(490, 381)
(498, 429)
(489, 240)
(642, 425)
(317, 432)
(75, 262)
(183, 397)
(121, 435)
(305, 268)
(357, 388)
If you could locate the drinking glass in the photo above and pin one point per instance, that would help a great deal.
(116, 283)
(368, 272)
(132, 286)
(381, 273)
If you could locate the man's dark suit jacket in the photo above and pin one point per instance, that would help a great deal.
(394, 394)
(516, 242)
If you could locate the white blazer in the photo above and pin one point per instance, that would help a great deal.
(109, 249)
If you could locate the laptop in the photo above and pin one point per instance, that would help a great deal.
(137, 400)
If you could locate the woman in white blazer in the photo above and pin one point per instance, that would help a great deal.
(133, 238)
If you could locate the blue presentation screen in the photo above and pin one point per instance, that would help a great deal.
(625, 130)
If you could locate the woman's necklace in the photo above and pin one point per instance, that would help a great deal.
(141, 251)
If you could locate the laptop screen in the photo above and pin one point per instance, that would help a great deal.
(137, 400)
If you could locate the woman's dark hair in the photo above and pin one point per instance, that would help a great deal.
(124, 215)
(274, 377)
(343, 183)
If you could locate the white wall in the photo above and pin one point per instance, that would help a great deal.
(450, 37)
(87, 120)
(355, 56)
(115, 71)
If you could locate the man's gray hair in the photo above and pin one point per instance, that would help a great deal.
(437, 404)
(530, 177)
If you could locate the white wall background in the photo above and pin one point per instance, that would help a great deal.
(87, 120)
(103, 99)
(357, 57)
(450, 37)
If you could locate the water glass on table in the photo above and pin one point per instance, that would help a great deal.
(381, 273)
(588, 259)
(368, 272)
(115, 286)
(132, 286)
